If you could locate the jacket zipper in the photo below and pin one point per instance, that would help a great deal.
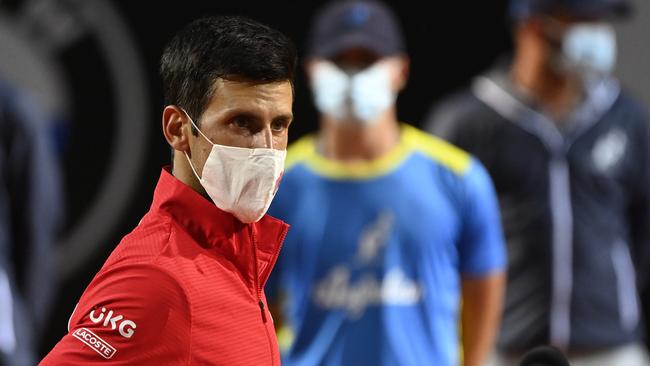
(257, 276)
(562, 252)
(263, 312)
(258, 285)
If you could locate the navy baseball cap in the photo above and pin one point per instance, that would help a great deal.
(345, 24)
(521, 9)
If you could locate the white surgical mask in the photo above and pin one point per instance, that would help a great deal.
(590, 48)
(239, 180)
(360, 96)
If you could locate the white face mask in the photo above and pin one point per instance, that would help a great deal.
(590, 48)
(239, 180)
(359, 96)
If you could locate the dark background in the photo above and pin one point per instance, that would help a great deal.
(449, 42)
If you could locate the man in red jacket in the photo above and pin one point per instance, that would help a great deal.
(185, 287)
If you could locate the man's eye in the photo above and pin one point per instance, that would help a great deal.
(241, 122)
(278, 126)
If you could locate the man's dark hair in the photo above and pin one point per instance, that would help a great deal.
(228, 47)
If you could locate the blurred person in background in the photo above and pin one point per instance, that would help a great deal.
(569, 154)
(185, 287)
(30, 219)
(391, 229)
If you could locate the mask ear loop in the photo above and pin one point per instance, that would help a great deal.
(204, 136)
(192, 166)
(195, 126)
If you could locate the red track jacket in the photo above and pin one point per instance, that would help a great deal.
(184, 288)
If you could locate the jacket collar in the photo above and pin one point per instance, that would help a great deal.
(215, 229)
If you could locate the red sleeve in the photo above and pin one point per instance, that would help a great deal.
(129, 315)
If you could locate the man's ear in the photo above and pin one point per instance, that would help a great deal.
(534, 25)
(175, 129)
(308, 66)
(404, 69)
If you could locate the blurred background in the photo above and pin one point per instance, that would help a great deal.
(92, 68)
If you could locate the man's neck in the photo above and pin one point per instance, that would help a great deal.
(557, 92)
(344, 141)
(183, 172)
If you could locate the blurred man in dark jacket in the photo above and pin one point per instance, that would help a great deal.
(568, 151)
(30, 216)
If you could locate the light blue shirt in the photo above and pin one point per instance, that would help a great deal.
(371, 267)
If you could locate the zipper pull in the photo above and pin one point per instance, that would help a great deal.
(263, 312)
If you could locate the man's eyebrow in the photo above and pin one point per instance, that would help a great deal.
(242, 113)
(284, 117)
(256, 117)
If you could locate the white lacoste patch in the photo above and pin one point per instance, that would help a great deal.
(124, 326)
(609, 150)
(93, 341)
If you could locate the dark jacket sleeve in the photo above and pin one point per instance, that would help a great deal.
(34, 188)
(463, 120)
(639, 198)
(444, 118)
(30, 214)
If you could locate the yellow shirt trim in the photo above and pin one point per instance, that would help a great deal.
(411, 140)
